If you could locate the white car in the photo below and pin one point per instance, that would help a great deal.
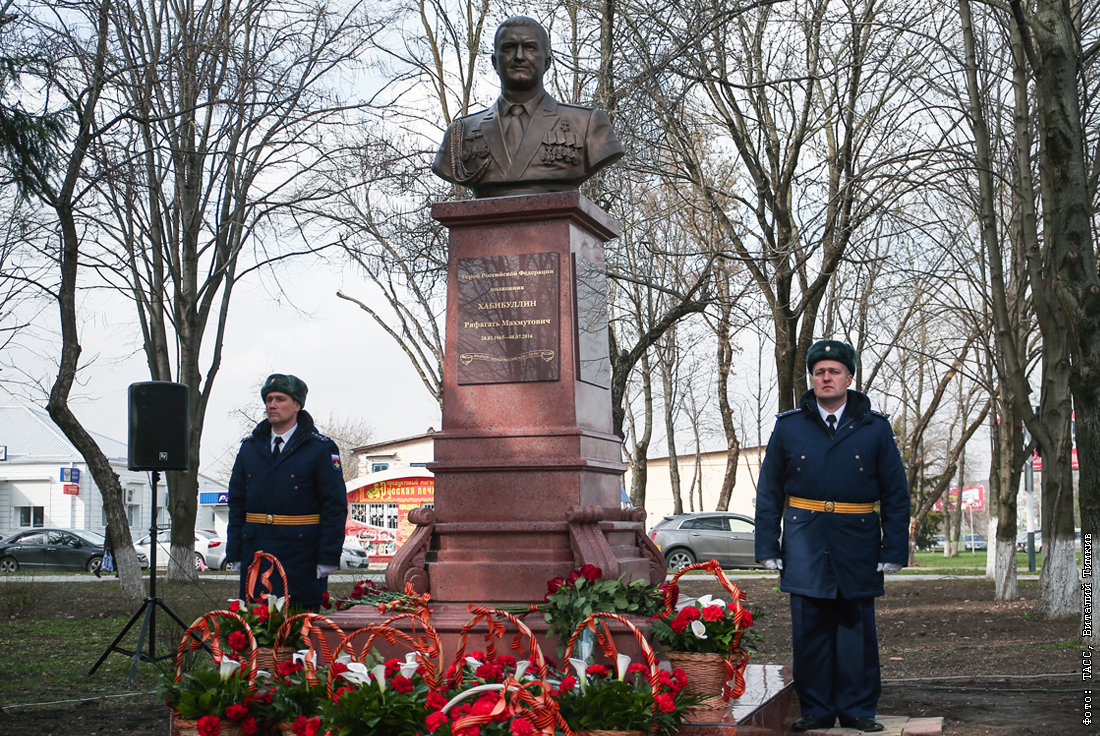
(353, 557)
(209, 549)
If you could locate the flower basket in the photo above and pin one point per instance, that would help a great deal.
(706, 677)
(730, 683)
(268, 658)
(184, 727)
(669, 700)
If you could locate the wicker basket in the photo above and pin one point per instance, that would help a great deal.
(183, 727)
(706, 676)
(265, 657)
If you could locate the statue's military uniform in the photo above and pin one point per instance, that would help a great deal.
(823, 489)
(294, 507)
(562, 146)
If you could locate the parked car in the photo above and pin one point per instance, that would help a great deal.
(689, 538)
(353, 557)
(209, 548)
(215, 548)
(55, 549)
(1021, 540)
(936, 543)
(975, 543)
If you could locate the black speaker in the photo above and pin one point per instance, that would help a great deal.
(159, 426)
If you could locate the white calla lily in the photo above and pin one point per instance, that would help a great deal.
(622, 661)
(467, 693)
(410, 665)
(275, 603)
(581, 668)
(379, 673)
(227, 667)
(709, 600)
(699, 629)
(475, 663)
(357, 672)
(303, 657)
(521, 668)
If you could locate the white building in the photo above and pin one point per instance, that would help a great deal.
(44, 481)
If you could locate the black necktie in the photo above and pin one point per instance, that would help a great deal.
(831, 421)
(514, 135)
(278, 445)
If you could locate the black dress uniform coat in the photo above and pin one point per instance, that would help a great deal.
(305, 479)
(562, 146)
(824, 553)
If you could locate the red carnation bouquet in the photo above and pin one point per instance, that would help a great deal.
(706, 626)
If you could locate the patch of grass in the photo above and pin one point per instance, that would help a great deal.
(1061, 646)
(20, 594)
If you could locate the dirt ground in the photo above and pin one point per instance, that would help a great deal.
(947, 650)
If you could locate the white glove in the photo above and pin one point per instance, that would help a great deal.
(773, 563)
(232, 567)
(323, 571)
(889, 567)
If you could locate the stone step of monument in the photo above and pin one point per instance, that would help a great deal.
(769, 706)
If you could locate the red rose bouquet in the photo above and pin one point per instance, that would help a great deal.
(586, 591)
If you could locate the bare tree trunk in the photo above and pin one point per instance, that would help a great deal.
(668, 360)
(639, 463)
(63, 202)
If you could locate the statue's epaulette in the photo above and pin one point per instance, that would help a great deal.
(882, 414)
(788, 413)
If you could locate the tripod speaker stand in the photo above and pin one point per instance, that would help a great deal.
(158, 441)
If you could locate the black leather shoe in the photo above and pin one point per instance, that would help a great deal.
(809, 723)
(865, 724)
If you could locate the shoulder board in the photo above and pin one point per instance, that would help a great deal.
(788, 413)
(321, 437)
(246, 438)
(884, 415)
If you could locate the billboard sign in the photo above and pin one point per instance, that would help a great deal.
(973, 499)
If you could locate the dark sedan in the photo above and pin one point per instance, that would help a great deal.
(689, 538)
(54, 549)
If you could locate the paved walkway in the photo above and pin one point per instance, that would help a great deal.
(894, 726)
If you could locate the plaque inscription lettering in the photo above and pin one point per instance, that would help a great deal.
(508, 319)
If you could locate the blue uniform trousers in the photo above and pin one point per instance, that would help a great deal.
(836, 665)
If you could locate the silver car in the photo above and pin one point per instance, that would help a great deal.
(718, 535)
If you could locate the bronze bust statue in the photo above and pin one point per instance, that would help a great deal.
(526, 142)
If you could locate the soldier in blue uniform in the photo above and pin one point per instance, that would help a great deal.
(828, 464)
(287, 496)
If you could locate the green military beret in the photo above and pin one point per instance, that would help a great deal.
(841, 352)
(292, 386)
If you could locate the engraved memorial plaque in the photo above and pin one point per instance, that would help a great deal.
(508, 319)
(593, 358)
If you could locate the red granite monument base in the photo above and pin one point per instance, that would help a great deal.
(528, 471)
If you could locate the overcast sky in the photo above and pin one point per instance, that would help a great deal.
(354, 370)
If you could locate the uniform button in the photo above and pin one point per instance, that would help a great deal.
(857, 457)
(799, 469)
(295, 487)
(803, 457)
(861, 470)
(794, 518)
